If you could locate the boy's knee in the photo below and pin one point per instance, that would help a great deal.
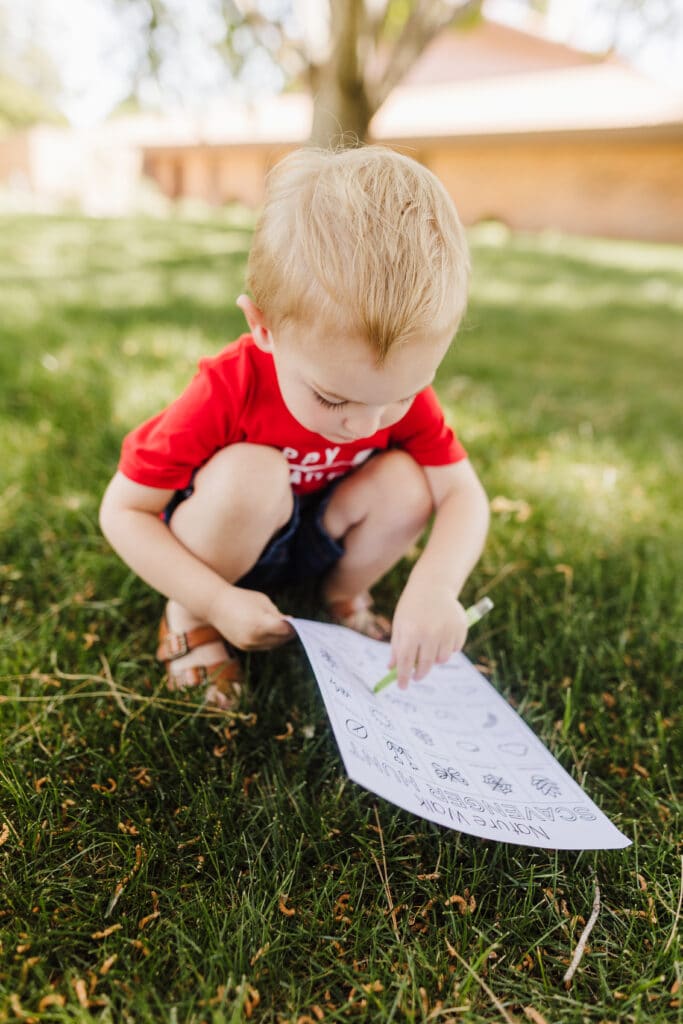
(393, 485)
(411, 489)
(248, 474)
(259, 461)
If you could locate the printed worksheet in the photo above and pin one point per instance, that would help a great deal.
(449, 748)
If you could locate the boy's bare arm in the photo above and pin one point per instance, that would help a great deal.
(460, 525)
(429, 621)
(129, 518)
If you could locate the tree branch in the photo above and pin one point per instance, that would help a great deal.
(377, 25)
(424, 24)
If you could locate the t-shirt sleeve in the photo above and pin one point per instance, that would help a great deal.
(166, 450)
(424, 433)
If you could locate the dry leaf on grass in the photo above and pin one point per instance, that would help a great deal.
(107, 932)
(520, 508)
(259, 953)
(98, 787)
(251, 1001)
(142, 776)
(144, 921)
(53, 999)
(466, 904)
(139, 857)
(81, 990)
(109, 963)
(534, 1016)
(127, 828)
(283, 908)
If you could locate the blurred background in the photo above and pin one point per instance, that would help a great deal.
(564, 114)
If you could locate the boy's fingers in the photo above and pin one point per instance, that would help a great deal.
(415, 663)
(284, 626)
(277, 640)
(405, 663)
(281, 631)
(445, 651)
(425, 661)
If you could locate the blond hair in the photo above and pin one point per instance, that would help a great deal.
(363, 240)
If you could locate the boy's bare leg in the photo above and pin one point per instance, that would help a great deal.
(379, 511)
(241, 498)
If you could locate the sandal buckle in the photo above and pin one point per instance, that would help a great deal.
(177, 645)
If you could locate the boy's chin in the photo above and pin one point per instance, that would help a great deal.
(339, 439)
(326, 436)
(331, 438)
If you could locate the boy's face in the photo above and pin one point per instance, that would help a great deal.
(333, 386)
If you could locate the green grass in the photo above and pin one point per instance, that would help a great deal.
(147, 853)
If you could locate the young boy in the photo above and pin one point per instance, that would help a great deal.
(314, 446)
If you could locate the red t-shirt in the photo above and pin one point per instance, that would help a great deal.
(235, 397)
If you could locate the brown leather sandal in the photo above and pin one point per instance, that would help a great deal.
(223, 680)
(356, 613)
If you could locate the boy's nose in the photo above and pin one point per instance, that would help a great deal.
(364, 422)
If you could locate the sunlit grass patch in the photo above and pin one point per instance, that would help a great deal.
(170, 357)
(602, 493)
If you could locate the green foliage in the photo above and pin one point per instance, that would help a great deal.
(160, 864)
(21, 107)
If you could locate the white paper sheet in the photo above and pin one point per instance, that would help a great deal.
(449, 748)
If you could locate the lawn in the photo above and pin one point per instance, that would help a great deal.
(158, 864)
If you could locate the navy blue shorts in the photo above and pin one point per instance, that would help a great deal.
(301, 550)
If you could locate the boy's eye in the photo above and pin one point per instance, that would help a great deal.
(326, 402)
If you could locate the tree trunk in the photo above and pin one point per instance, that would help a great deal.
(341, 108)
(345, 97)
(341, 112)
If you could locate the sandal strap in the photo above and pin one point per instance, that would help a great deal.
(175, 645)
(347, 607)
(356, 613)
(226, 676)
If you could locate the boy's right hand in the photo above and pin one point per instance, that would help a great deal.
(249, 620)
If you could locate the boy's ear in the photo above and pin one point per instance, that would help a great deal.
(257, 324)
